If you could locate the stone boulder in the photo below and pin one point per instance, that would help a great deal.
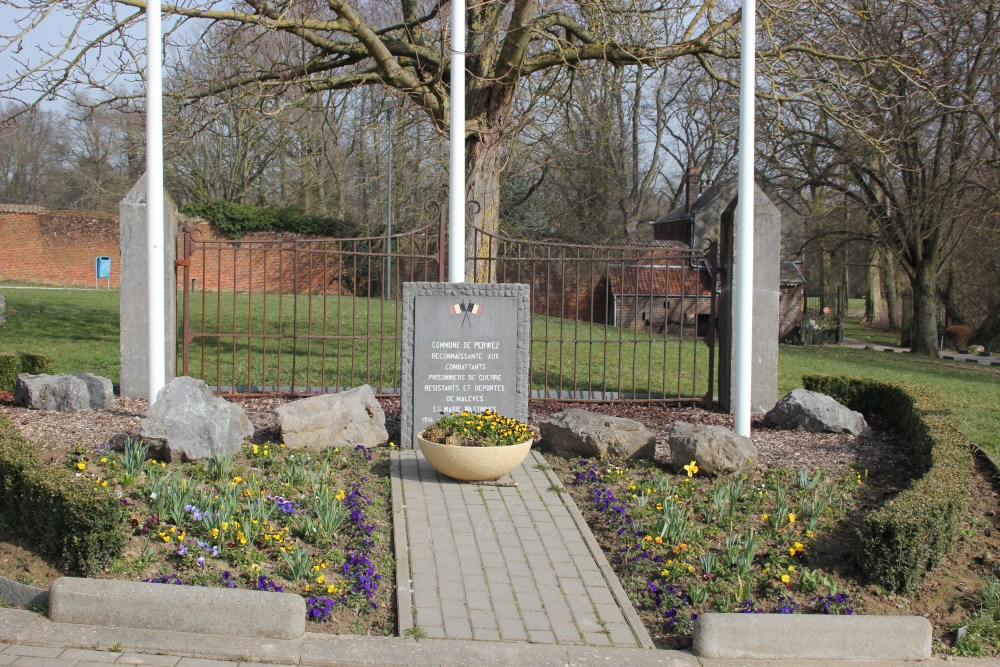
(717, 450)
(581, 433)
(815, 412)
(187, 422)
(345, 419)
(65, 393)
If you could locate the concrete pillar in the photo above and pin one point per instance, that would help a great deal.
(766, 298)
(133, 332)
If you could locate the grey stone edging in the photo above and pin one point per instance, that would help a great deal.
(22, 595)
(789, 636)
(638, 629)
(404, 589)
(148, 606)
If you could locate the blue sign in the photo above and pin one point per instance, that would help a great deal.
(104, 267)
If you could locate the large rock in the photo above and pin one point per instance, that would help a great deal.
(816, 413)
(190, 423)
(65, 393)
(717, 450)
(345, 419)
(583, 433)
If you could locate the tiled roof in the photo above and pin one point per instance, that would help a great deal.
(656, 280)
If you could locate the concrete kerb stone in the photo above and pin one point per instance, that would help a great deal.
(215, 611)
(22, 595)
(788, 636)
(404, 589)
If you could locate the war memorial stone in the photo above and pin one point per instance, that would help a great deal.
(465, 347)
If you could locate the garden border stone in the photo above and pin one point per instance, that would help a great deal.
(22, 595)
(214, 611)
(787, 636)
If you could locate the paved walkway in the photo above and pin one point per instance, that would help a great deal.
(508, 563)
(947, 355)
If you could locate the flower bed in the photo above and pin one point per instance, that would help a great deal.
(682, 545)
(268, 519)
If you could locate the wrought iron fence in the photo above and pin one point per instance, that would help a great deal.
(306, 316)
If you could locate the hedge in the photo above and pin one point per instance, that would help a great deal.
(12, 364)
(235, 219)
(58, 512)
(912, 532)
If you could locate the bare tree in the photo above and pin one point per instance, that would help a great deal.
(30, 154)
(341, 44)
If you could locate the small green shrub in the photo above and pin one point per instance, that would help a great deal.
(35, 364)
(9, 368)
(61, 514)
(912, 532)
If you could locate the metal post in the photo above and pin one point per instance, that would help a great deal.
(456, 162)
(388, 221)
(743, 280)
(155, 296)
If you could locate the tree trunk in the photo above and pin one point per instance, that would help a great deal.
(482, 173)
(925, 331)
(892, 301)
(876, 313)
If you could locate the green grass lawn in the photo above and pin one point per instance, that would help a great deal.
(343, 341)
(970, 391)
(79, 330)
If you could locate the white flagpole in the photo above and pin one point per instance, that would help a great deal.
(743, 287)
(456, 161)
(155, 296)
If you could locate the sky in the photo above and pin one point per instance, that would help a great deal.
(32, 51)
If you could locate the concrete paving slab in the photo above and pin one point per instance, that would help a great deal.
(512, 573)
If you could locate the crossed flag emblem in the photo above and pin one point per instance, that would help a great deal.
(466, 309)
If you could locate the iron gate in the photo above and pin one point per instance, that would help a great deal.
(308, 316)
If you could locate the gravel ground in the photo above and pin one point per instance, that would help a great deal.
(55, 432)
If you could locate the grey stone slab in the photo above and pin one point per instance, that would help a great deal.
(596, 639)
(495, 336)
(620, 634)
(141, 605)
(457, 628)
(482, 619)
(541, 637)
(486, 634)
(147, 659)
(32, 661)
(512, 629)
(204, 662)
(428, 616)
(90, 656)
(34, 651)
(781, 636)
(529, 602)
(566, 632)
(609, 613)
(572, 586)
(7, 659)
(535, 620)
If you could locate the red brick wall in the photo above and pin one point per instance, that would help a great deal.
(60, 247)
(57, 247)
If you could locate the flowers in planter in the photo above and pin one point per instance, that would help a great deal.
(477, 429)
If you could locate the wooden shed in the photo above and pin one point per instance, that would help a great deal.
(656, 297)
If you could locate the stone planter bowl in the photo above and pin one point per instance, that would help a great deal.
(474, 464)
